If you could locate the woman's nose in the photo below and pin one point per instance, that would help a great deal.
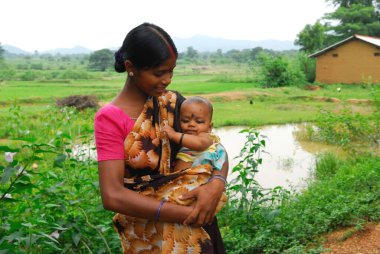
(167, 79)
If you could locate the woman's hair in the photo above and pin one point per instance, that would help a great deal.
(146, 46)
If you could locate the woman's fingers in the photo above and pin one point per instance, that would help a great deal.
(189, 195)
(192, 218)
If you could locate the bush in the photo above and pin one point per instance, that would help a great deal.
(28, 76)
(72, 74)
(80, 102)
(7, 74)
(277, 72)
(308, 67)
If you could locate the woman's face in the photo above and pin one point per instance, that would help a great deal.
(154, 81)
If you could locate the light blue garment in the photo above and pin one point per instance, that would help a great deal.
(215, 158)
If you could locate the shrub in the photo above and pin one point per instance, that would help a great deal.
(73, 74)
(308, 66)
(28, 76)
(80, 102)
(277, 72)
(7, 74)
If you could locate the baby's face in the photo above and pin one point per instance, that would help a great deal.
(195, 118)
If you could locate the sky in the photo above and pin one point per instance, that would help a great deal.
(49, 24)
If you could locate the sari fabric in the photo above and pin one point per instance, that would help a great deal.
(148, 160)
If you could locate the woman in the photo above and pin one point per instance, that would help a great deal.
(135, 158)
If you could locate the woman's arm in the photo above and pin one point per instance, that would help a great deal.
(198, 142)
(117, 198)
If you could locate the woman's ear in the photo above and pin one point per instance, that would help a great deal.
(130, 68)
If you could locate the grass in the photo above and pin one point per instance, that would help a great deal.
(269, 105)
(348, 197)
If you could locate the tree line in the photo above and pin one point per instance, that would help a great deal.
(350, 17)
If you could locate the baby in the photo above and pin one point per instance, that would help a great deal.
(199, 144)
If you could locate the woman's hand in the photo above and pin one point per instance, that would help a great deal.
(207, 198)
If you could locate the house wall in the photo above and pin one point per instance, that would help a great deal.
(354, 62)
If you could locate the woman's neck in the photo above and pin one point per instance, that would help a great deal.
(130, 99)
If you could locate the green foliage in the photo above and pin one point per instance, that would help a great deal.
(308, 67)
(1, 53)
(278, 72)
(29, 75)
(347, 193)
(357, 18)
(244, 188)
(191, 52)
(353, 131)
(312, 37)
(49, 195)
(350, 17)
(7, 73)
(327, 166)
(101, 60)
(75, 74)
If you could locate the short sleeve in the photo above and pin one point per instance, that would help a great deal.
(111, 126)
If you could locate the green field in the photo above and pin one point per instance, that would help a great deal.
(236, 102)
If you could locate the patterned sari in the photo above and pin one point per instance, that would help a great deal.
(148, 159)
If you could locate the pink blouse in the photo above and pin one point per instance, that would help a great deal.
(111, 127)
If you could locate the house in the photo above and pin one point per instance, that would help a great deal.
(354, 60)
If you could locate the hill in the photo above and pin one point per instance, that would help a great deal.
(200, 43)
(204, 43)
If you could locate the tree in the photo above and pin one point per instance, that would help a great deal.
(312, 37)
(1, 53)
(354, 17)
(191, 52)
(100, 60)
(350, 17)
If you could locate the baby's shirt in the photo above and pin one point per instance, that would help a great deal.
(214, 155)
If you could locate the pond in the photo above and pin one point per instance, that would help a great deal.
(287, 162)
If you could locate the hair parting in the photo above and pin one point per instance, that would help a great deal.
(166, 42)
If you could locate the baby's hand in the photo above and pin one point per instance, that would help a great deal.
(169, 131)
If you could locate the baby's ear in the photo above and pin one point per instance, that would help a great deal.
(211, 126)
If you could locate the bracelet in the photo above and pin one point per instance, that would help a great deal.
(180, 139)
(218, 177)
(159, 210)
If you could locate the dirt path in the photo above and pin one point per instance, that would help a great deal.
(350, 241)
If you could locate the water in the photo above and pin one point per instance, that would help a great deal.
(287, 162)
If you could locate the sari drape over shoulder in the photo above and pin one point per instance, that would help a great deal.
(148, 170)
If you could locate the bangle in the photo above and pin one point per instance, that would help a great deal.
(180, 139)
(159, 210)
(218, 177)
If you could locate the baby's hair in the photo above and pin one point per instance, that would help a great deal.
(201, 100)
(146, 46)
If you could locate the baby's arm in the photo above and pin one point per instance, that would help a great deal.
(198, 142)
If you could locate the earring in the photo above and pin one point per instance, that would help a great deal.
(131, 74)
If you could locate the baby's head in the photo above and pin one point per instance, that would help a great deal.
(196, 115)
